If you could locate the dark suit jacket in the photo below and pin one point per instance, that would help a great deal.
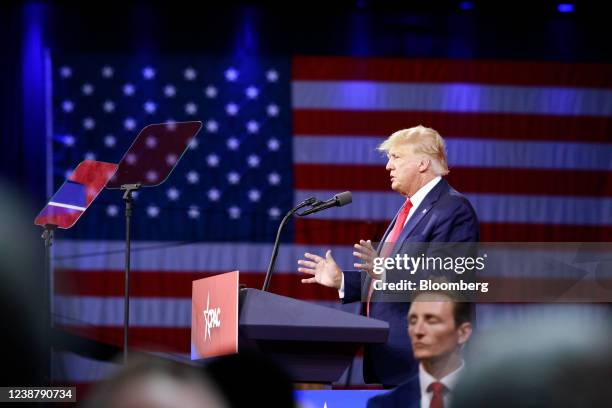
(405, 395)
(444, 215)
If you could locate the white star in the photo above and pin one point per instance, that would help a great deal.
(251, 92)
(65, 72)
(274, 178)
(89, 156)
(89, 123)
(152, 211)
(112, 210)
(210, 91)
(148, 73)
(233, 143)
(193, 144)
(171, 159)
(252, 126)
(212, 126)
(169, 91)
(129, 124)
(131, 158)
(272, 75)
(231, 74)
(213, 194)
(107, 71)
(87, 89)
(254, 195)
(273, 144)
(190, 74)
(234, 212)
(253, 160)
(67, 106)
(272, 110)
(135, 195)
(233, 177)
(193, 177)
(151, 176)
(110, 141)
(193, 212)
(212, 160)
(108, 106)
(173, 194)
(68, 140)
(191, 108)
(274, 212)
(151, 142)
(150, 107)
(231, 109)
(128, 89)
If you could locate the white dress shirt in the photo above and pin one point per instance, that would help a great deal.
(416, 200)
(449, 381)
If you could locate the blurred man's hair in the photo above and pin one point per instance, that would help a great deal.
(463, 312)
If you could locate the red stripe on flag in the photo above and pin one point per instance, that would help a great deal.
(503, 126)
(465, 179)
(176, 284)
(348, 232)
(439, 70)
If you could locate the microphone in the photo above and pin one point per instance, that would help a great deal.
(338, 200)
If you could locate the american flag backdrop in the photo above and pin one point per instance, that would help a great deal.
(529, 143)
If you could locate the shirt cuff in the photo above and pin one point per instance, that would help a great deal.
(341, 290)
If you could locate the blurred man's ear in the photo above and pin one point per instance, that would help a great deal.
(465, 331)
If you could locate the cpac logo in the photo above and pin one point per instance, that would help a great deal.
(212, 318)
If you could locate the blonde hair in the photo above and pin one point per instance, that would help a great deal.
(425, 141)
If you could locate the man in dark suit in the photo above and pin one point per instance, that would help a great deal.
(433, 212)
(438, 327)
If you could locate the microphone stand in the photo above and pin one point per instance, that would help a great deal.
(309, 201)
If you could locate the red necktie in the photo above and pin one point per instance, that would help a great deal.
(437, 399)
(390, 242)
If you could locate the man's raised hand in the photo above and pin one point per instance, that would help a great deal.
(324, 271)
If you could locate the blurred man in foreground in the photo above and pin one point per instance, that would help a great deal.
(438, 328)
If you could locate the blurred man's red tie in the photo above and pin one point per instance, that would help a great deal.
(437, 398)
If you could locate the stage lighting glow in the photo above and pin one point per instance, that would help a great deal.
(466, 5)
(565, 8)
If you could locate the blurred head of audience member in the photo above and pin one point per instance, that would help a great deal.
(544, 362)
(22, 298)
(439, 326)
(148, 382)
(250, 379)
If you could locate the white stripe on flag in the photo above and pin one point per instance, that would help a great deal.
(489, 208)
(144, 312)
(461, 152)
(177, 257)
(454, 97)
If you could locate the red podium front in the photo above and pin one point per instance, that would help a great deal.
(214, 316)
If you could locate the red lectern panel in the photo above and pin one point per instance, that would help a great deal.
(214, 316)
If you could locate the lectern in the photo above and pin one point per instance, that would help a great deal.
(313, 343)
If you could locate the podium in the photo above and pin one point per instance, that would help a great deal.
(313, 343)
